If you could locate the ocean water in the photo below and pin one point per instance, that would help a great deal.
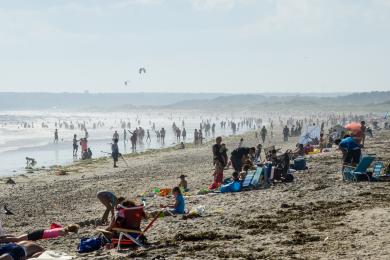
(22, 134)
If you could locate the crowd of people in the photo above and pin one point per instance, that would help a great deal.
(350, 140)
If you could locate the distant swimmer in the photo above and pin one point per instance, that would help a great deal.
(56, 136)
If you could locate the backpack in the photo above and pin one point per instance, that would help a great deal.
(87, 245)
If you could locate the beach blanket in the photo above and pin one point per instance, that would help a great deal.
(51, 255)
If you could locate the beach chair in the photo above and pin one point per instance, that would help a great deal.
(360, 172)
(252, 179)
(130, 230)
(377, 174)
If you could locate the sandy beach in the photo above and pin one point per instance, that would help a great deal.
(318, 216)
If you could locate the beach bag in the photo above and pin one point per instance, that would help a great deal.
(87, 245)
(288, 178)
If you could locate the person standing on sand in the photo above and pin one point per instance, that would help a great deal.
(124, 135)
(184, 133)
(75, 145)
(196, 136)
(363, 129)
(115, 152)
(263, 134)
(219, 164)
(162, 135)
(56, 136)
(148, 136)
(115, 136)
(84, 146)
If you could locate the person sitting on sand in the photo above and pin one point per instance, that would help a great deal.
(235, 177)
(39, 234)
(183, 182)
(110, 201)
(178, 207)
(20, 251)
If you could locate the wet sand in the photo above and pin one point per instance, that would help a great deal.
(317, 217)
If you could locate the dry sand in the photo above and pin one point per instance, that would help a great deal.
(317, 217)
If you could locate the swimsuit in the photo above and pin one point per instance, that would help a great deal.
(14, 250)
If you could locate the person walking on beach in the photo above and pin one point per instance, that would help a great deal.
(75, 145)
(184, 134)
(263, 134)
(56, 136)
(115, 152)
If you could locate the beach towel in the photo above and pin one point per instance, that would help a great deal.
(51, 255)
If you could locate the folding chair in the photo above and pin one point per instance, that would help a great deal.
(355, 174)
(130, 229)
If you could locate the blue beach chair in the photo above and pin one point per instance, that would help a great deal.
(360, 172)
(252, 179)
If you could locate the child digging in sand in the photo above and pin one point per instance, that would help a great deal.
(42, 234)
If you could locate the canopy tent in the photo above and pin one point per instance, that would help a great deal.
(311, 133)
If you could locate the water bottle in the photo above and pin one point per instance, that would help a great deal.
(143, 201)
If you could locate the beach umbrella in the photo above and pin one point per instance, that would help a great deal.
(310, 134)
(354, 127)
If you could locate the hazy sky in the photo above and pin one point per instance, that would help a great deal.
(195, 45)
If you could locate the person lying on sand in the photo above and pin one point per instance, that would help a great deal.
(178, 207)
(20, 251)
(42, 234)
(110, 201)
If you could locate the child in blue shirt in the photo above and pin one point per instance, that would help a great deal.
(179, 206)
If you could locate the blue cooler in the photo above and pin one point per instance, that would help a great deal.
(300, 164)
